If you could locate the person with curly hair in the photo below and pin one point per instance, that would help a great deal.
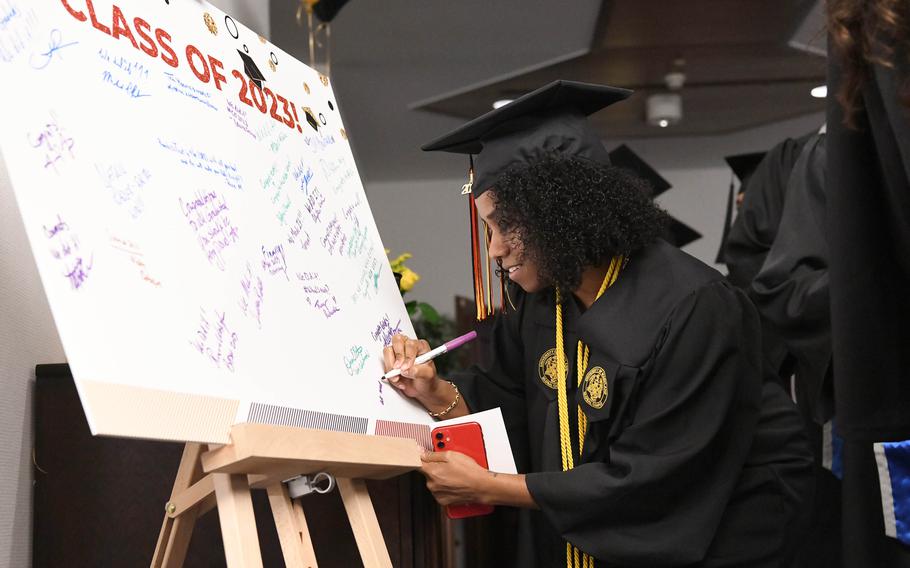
(629, 373)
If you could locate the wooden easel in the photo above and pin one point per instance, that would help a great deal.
(263, 456)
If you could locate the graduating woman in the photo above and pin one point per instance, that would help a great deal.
(629, 374)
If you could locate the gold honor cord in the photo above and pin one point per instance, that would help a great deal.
(574, 558)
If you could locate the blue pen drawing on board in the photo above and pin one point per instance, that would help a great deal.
(17, 29)
(238, 116)
(175, 85)
(202, 161)
(55, 44)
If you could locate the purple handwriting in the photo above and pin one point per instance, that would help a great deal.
(207, 214)
(334, 238)
(274, 262)
(54, 143)
(125, 188)
(355, 360)
(318, 294)
(297, 230)
(381, 400)
(217, 344)
(239, 118)
(253, 293)
(54, 45)
(136, 256)
(385, 331)
(64, 246)
(205, 162)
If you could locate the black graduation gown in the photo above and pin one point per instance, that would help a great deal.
(690, 460)
(755, 229)
(869, 237)
(791, 290)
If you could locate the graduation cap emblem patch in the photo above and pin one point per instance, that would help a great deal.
(594, 388)
(546, 368)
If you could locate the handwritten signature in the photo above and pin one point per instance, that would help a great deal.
(55, 44)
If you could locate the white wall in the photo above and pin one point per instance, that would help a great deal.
(429, 218)
(27, 337)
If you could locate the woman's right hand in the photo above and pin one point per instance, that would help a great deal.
(419, 382)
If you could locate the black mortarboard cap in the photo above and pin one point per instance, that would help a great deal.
(550, 119)
(679, 234)
(623, 157)
(252, 71)
(743, 166)
(676, 233)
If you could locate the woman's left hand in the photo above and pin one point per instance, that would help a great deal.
(453, 478)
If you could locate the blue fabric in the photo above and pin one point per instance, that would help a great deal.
(897, 455)
(837, 454)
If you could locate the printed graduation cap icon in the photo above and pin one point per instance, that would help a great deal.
(251, 70)
(677, 233)
(743, 166)
(549, 119)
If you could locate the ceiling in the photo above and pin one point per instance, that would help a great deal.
(406, 71)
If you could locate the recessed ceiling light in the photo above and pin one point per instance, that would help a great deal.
(664, 123)
(501, 103)
(819, 92)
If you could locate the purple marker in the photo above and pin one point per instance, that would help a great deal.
(433, 353)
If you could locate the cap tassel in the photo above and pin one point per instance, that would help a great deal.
(475, 260)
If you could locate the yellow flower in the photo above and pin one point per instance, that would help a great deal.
(398, 264)
(408, 278)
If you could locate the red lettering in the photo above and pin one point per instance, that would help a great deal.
(95, 23)
(151, 48)
(167, 52)
(192, 50)
(78, 15)
(120, 26)
(219, 78)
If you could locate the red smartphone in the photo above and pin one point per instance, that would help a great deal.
(467, 439)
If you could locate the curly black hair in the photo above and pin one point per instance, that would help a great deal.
(571, 214)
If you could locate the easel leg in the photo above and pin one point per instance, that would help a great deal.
(363, 520)
(176, 532)
(292, 528)
(238, 523)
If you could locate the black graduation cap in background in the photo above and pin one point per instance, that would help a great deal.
(252, 71)
(623, 157)
(743, 166)
(677, 233)
(549, 119)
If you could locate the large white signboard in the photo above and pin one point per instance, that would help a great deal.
(198, 222)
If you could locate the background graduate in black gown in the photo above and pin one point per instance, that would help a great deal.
(629, 373)
(868, 226)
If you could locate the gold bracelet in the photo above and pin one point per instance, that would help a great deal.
(449, 408)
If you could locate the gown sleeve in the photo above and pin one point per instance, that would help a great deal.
(791, 290)
(499, 381)
(658, 498)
